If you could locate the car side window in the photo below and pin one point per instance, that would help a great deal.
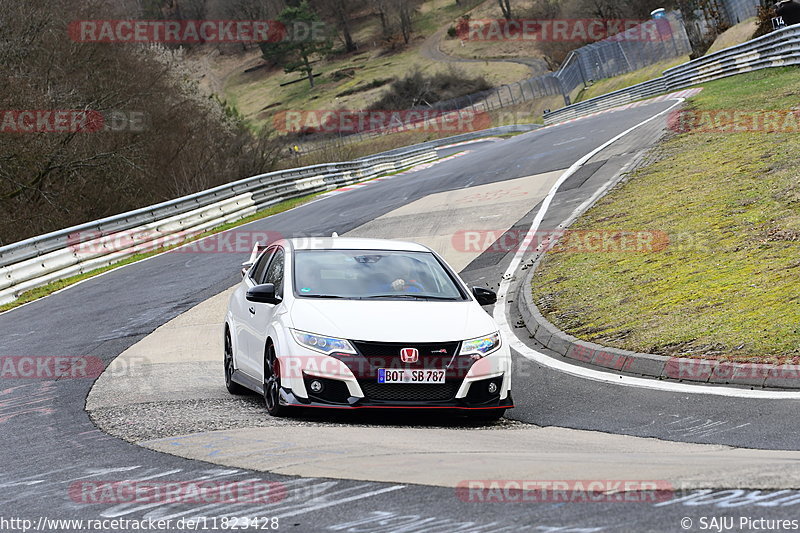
(257, 273)
(274, 273)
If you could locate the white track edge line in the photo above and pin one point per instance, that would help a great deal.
(501, 317)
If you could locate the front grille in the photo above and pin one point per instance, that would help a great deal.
(392, 349)
(402, 392)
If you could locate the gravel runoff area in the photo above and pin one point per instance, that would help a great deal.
(147, 421)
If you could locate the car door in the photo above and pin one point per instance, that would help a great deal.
(243, 312)
(261, 315)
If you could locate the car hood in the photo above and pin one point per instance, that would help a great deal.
(392, 321)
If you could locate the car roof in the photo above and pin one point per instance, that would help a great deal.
(348, 243)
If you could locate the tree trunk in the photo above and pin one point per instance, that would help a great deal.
(341, 11)
(505, 7)
(309, 70)
(384, 24)
(405, 22)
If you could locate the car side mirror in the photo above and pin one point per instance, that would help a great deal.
(484, 296)
(263, 294)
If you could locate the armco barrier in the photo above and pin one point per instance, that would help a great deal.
(38, 261)
(778, 49)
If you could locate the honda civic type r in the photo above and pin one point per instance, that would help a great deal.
(363, 323)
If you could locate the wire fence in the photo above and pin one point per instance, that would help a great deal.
(624, 53)
(737, 11)
(616, 55)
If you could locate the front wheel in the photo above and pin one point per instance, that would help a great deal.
(232, 386)
(272, 384)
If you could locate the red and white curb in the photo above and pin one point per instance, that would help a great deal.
(473, 141)
(425, 166)
(688, 93)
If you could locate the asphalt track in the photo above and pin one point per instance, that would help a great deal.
(48, 442)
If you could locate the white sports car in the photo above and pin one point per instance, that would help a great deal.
(361, 323)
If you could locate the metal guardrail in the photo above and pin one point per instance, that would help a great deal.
(778, 49)
(38, 261)
(624, 53)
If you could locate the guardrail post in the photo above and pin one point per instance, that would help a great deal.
(579, 59)
(564, 93)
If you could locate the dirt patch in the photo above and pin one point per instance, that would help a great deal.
(785, 235)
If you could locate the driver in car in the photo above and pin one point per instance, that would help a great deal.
(407, 281)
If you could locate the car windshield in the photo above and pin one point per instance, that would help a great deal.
(371, 274)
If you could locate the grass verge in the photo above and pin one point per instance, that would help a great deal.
(738, 34)
(728, 284)
(624, 81)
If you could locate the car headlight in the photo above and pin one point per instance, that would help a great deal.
(482, 346)
(326, 345)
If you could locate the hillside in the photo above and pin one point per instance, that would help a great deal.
(358, 79)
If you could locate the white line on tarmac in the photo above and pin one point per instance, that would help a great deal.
(597, 375)
(570, 141)
(305, 510)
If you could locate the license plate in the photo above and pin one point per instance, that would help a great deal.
(386, 375)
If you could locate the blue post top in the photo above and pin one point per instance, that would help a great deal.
(659, 13)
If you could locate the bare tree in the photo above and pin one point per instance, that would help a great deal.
(545, 9)
(340, 11)
(604, 9)
(383, 9)
(405, 21)
(505, 7)
(56, 179)
(248, 9)
(704, 22)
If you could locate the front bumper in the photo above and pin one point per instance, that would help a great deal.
(289, 399)
(351, 382)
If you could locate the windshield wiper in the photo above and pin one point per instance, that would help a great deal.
(412, 297)
(331, 296)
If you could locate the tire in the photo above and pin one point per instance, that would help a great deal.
(272, 384)
(488, 416)
(232, 386)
